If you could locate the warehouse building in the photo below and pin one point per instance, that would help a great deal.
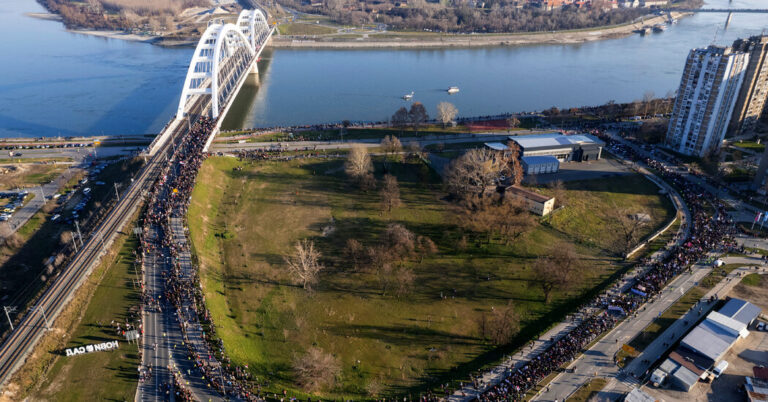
(706, 344)
(540, 164)
(566, 148)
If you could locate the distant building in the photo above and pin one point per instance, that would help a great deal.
(537, 203)
(566, 148)
(705, 100)
(653, 3)
(751, 102)
(540, 164)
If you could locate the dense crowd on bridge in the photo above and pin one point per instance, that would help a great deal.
(709, 232)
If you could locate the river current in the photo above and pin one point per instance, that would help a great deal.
(54, 82)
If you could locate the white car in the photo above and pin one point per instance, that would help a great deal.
(86, 190)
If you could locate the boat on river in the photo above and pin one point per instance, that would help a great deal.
(408, 96)
(453, 90)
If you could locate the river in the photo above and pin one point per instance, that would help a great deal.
(54, 82)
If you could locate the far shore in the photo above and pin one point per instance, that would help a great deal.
(405, 40)
(413, 41)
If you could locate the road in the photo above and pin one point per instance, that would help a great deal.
(27, 333)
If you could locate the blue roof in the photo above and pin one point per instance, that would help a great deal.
(740, 310)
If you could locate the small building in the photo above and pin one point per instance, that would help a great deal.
(540, 164)
(757, 389)
(638, 395)
(537, 203)
(741, 311)
(566, 148)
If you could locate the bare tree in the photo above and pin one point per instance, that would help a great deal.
(316, 370)
(399, 240)
(305, 264)
(354, 252)
(515, 164)
(630, 226)
(512, 123)
(404, 279)
(425, 247)
(559, 192)
(557, 270)
(475, 173)
(359, 166)
(391, 144)
(648, 98)
(390, 193)
(417, 115)
(501, 325)
(446, 112)
(400, 119)
(414, 149)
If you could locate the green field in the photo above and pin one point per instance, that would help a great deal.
(242, 223)
(296, 28)
(98, 376)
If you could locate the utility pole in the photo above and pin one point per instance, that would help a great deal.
(77, 226)
(9, 309)
(116, 192)
(42, 193)
(74, 243)
(42, 310)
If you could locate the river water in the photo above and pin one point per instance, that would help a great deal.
(53, 82)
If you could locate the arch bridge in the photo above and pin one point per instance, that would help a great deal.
(224, 57)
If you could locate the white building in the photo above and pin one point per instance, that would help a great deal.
(540, 164)
(705, 100)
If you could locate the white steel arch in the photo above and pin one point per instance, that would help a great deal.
(224, 53)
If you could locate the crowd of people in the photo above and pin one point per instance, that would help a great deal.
(708, 232)
(169, 200)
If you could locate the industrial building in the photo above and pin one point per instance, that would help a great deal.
(540, 164)
(566, 148)
(706, 344)
(706, 98)
(750, 104)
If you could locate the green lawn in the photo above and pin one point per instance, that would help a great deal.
(243, 222)
(295, 28)
(98, 376)
(588, 390)
(589, 225)
(751, 145)
(752, 280)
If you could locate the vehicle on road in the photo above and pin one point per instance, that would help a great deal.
(86, 190)
(760, 326)
(720, 368)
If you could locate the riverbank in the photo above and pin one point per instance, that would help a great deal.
(419, 40)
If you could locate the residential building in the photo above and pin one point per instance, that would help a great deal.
(566, 148)
(705, 100)
(751, 103)
(537, 203)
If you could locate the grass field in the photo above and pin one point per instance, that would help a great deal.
(28, 175)
(588, 390)
(296, 28)
(752, 145)
(242, 223)
(99, 376)
(752, 280)
(589, 225)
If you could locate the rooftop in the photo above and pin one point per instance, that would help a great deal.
(554, 140)
(740, 310)
(709, 339)
(530, 195)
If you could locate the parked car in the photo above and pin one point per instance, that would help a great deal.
(761, 326)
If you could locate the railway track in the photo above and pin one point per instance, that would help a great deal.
(29, 331)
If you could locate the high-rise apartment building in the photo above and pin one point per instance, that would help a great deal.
(750, 104)
(705, 100)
